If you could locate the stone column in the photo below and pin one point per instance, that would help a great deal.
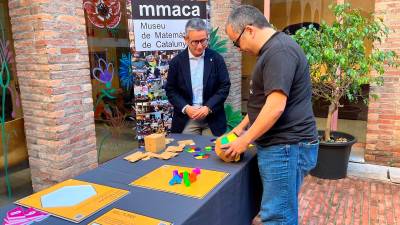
(53, 72)
(220, 10)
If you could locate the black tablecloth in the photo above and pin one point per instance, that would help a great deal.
(235, 201)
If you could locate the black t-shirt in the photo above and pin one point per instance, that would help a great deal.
(282, 66)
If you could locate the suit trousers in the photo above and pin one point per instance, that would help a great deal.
(199, 127)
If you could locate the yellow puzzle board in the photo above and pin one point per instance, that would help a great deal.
(159, 178)
(104, 197)
(121, 217)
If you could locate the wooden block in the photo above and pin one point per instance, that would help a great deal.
(154, 142)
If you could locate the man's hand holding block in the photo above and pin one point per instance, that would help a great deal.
(223, 140)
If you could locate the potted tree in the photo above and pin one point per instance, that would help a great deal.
(340, 65)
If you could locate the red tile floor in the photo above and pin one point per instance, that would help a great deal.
(349, 201)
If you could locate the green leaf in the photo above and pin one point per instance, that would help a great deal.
(216, 43)
(338, 57)
(233, 117)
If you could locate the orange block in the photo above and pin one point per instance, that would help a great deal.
(192, 177)
(154, 142)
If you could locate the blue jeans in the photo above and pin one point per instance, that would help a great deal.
(282, 169)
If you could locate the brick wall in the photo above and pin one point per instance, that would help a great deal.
(383, 131)
(220, 10)
(53, 73)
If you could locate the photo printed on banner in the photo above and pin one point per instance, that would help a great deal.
(159, 30)
(153, 111)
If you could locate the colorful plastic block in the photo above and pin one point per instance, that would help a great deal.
(176, 179)
(196, 171)
(192, 177)
(186, 179)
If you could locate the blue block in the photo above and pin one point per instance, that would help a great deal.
(176, 179)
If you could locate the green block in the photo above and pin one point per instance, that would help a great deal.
(208, 149)
(224, 140)
(186, 179)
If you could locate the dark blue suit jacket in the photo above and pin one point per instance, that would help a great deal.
(216, 86)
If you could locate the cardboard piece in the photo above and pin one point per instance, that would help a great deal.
(168, 155)
(146, 158)
(164, 155)
(186, 142)
(159, 178)
(135, 156)
(121, 217)
(104, 196)
(175, 148)
(173, 151)
(169, 140)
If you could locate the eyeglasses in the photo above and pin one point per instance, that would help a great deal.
(195, 43)
(236, 43)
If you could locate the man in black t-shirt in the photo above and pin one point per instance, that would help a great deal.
(280, 119)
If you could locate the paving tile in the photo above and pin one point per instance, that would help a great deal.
(352, 200)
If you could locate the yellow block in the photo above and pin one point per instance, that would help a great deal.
(154, 142)
(231, 137)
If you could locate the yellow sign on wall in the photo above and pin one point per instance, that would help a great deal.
(73, 200)
(159, 179)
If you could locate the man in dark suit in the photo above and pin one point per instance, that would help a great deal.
(198, 85)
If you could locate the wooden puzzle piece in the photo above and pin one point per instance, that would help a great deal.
(174, 148)
(135, 156)
(186, 142)
(146, 158)
(169, 140)
(168, 155)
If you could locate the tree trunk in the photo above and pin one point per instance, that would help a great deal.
(334, 121)
(327, 134)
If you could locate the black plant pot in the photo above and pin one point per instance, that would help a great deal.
(333, 158)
